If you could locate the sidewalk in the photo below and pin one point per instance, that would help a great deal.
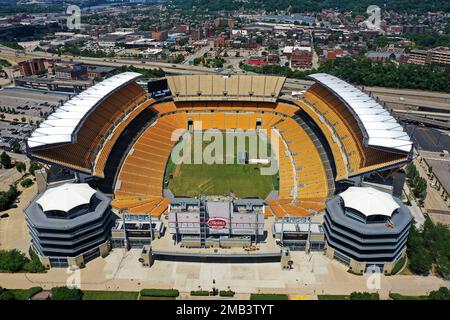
(416, 212)
(309, 278)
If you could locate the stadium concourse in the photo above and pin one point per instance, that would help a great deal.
(121, 135)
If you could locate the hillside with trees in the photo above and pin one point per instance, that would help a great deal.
(311, 5)
(362, 71)
(429, 248)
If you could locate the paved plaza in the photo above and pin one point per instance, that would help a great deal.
(312, 275)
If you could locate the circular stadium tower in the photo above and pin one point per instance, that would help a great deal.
(69, 225)
(365, 227)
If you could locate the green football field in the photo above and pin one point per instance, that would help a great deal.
(244, 180)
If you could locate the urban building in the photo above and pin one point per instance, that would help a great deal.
(440, 55)
(383, 56)
(301, 58)
(71, 72)
(418, 28)
(221, 22)
(135, 231)
(69, 224)
(34, 66)
(99, 72)
(201, 223)
(299, 233)
(366, 228)
(160, 35)
(256, 61)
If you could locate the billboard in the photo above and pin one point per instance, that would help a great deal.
(158, 88)
(218, 225)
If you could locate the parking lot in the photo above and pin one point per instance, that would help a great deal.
(22, 109)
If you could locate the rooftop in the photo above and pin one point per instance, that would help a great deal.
(369, 201)
(62, 124)
(378, 126)
(441, 170)
(66, 197)
(399, 221)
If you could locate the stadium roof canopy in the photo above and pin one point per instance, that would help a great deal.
(60, 126)
(369, 201)
(379, 128)
(225, 88)
(66, 197)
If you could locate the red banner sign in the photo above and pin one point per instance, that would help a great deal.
(217, 223)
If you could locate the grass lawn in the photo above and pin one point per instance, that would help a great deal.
(244, 180)
(157, 298)
(159, 294)
(215, 179)
(332, 297)
(398, 266)
(110, 295)
(397, 296)
(268, 296)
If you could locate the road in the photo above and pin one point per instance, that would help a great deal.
(199, 53)
(12, 55)
(416, 98)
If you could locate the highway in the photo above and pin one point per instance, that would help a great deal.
(419, 119)
(16, 56)
(431, 104)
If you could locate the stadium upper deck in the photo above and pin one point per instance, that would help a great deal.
(219, 88)
(333, 132)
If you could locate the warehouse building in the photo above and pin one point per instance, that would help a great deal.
(365, 227)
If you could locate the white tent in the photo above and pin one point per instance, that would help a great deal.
(66, 197)
(369, 201)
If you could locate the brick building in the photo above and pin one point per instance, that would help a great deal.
(34, 66)
(301, 58)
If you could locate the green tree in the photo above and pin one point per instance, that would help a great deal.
(7, 198)
(15, 145)
(21, 167)
(443, 266)
(33, 167)
(443, 293)
(364, 296)
(12, 260)
(6, 294)
(5, 160)
(421, 264)
(34, 265)
(197, 61)
(26, 183)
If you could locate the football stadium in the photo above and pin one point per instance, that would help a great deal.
(120, 138)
